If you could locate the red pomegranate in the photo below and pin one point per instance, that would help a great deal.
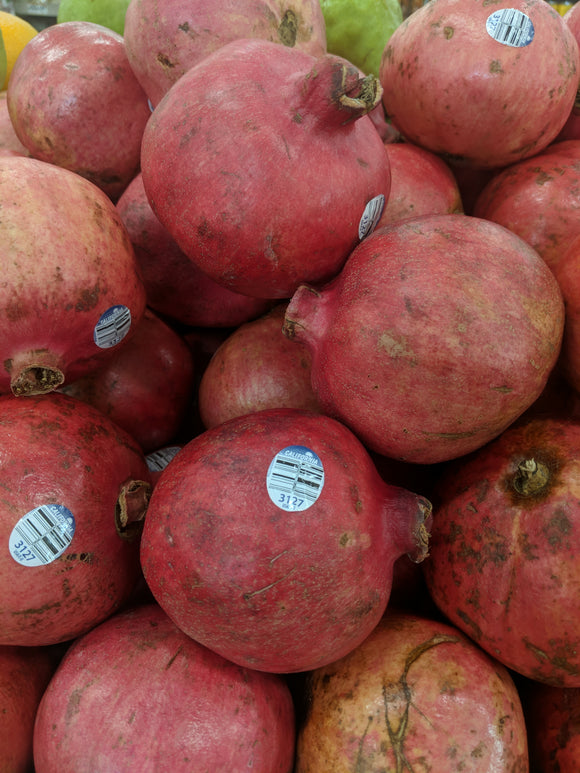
(136, 693)
(255, 368)
(24, 675)
(271, 539)
(70, 292)
(485, 84)
(268, 179)
(421, 184)
(75, 102)
(567, 272)
(436, 335)
(75, 489)
(503, 565)
(415, 695)
(165, 39)
(175, 286)
(553, 720)
(146, 387)
(538, 199)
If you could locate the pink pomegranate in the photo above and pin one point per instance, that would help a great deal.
(146, 387)
(175, 286)
(256, 368)
(136, 693)
(436, 335)
(553, 720)
(421, 184)
(538, 199)
(271, 539)
(503, 565)
(24, 675)
(70, 292)
(483, 84)
(415, 695)
(268, 179)
(75, 102)
(75, 489)
(9, 142)
(165, 39)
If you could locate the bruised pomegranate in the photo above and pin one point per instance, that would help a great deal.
(165, 39)
(146, 387)
(538, 199)
(256, 368)
(70, 292)
(24, 675)
(415, 695)
(175, 286)
(136, 693)
(271, 540)
(268, 179)
(75, 102)
(503, 565)
(74, 490)
(483, 84)
(436, 335)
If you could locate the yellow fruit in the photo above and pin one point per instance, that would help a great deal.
(16, 33)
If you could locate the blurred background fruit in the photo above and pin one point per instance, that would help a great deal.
(16, 33)
(109, 13)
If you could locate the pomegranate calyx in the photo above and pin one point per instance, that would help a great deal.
(368, 95)
(288, 29)
(36, 380)
(421, 531)
(531, 477)
(131, 508)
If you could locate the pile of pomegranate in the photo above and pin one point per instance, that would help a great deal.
(290, 394)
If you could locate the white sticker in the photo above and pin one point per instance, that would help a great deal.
(42, 535)
(158, 460)
(295, 478)
(510, 27)
(112, 327)
(371, 216)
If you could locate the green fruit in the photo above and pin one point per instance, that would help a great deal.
(108, 13)
(358, 30)
(3, 60)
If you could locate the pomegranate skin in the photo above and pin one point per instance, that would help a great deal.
(265, 180)
(553, 720)
(74, 101)
(256, 368)
(175, 287)
(436, 335)
(68, 265)
(63, 462)
(415, 695)
(513, 100)
(193, 711)
(503, 564)
(567, 272)
(264, 585)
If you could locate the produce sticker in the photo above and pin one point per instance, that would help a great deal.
(295, 478)
(42, 535)
(371, 216)
(112, 326)
(510, 27)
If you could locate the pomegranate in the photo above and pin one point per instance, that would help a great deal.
(416, 695)
(75, 102)
(175, 286)
(158, 460)
(256, 368)
(270, 178)
(571, 129)
(9, 142)
(24, 675)
(193, 711)
(553, 721)
(75, 489)
(567, 272)
(421, 184)
(538, 199)
(271, 539)
(503, 565)
(483, 84)
(165, 39)
(71, 292)
(146, 387)
(436, 335)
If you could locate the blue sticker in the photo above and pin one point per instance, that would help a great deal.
(112, 326)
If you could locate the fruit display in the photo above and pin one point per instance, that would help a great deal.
(290, 392)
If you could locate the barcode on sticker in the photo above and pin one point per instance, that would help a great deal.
(158, 460)
(295, 478)
(510, 27)
(42, 535)
(112, 326)
(371, 216)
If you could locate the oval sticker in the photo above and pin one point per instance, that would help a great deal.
(295, 478)
(112, 326)
(42, 535)
(371, 216)
(510, 27)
